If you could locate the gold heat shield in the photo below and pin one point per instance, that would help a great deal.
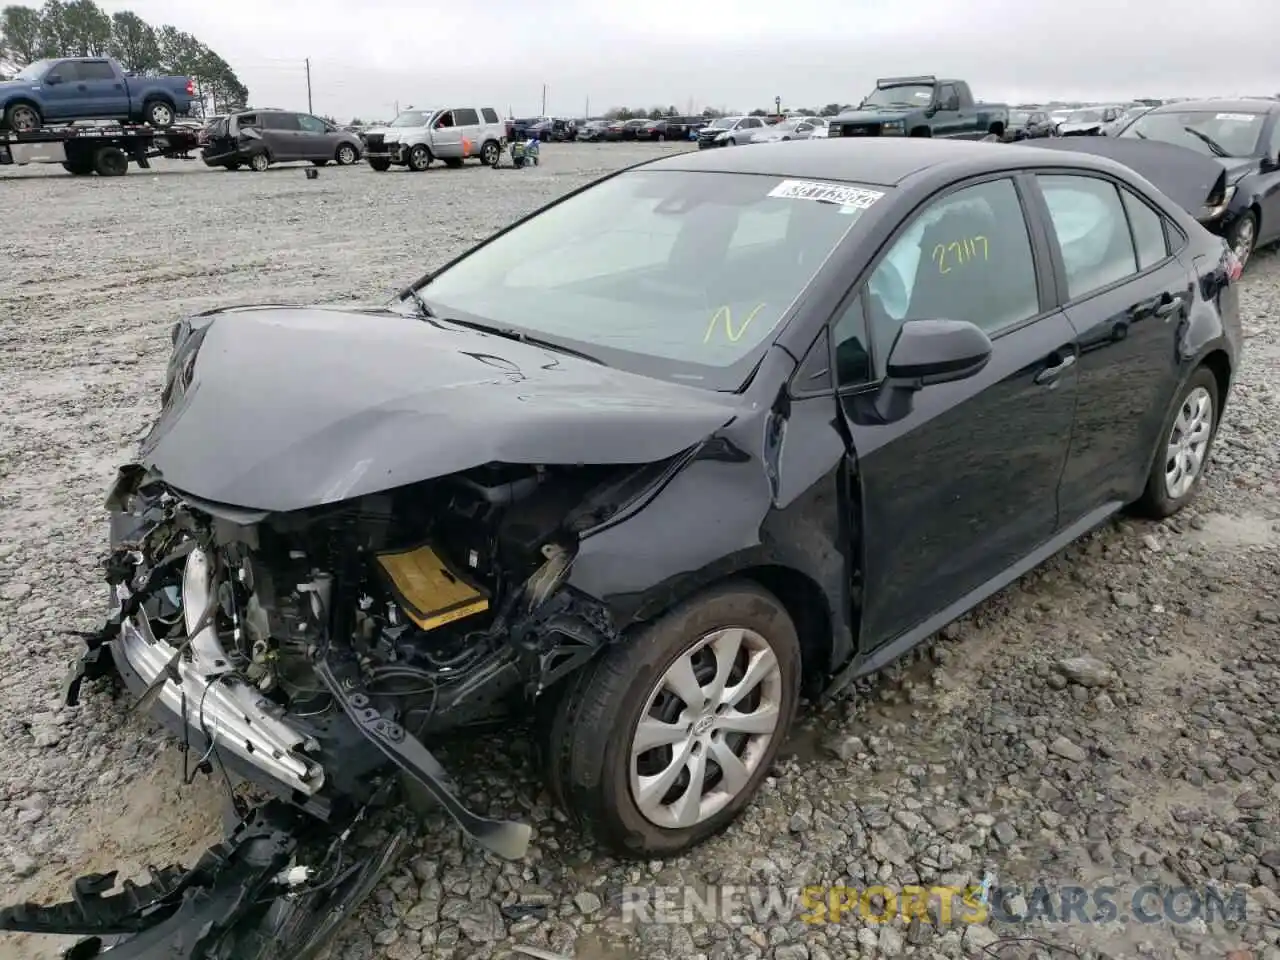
(428, 589)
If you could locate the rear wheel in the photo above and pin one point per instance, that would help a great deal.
(490, 153)
(1185, 444)
(158, 113)
(661, 742)
(111, 162)
(382, 166)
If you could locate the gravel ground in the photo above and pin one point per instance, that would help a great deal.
(1112, 719)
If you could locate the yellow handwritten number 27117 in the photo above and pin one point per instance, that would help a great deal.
(962, 252)
(726, 314)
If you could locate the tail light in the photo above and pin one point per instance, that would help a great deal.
(191, 87)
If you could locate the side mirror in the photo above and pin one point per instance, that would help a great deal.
(927, 353)
(53, 78)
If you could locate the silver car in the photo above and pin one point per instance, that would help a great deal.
(793, 128)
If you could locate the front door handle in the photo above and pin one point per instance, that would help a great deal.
(1049, 374)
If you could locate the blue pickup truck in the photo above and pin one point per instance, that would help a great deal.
(90, 88)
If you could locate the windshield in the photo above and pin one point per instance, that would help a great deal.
(786, 126)
(33, 71)
(679, 275)
(412, 118)
(723, 123)
(1211, 132)
(907, 95)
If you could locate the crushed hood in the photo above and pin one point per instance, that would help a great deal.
(1183, 175)
(283, 408)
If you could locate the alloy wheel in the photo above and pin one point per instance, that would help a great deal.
(346, 155)
(1188, 442)
(706, 727)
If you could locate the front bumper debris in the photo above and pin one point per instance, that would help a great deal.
(242, 899)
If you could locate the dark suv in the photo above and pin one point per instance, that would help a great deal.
(259, 138)
(669, 128)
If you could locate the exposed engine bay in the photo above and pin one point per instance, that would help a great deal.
(280, 646)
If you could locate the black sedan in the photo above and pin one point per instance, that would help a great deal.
(718, 431)
(1219, 159)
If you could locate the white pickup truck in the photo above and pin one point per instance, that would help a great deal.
(416, 138)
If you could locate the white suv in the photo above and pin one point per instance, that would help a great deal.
(416, 138)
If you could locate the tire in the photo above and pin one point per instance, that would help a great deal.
(158, 113)
(1243, 236)
(22, 117)
(382, 166)
(453, 163)
(111, 162)
(1158, 500)
(346, 155)
(232, 165)
(419, 158)
(731, 142)
(490, 153)
(593, 724)
(78, 168)
(259, 162)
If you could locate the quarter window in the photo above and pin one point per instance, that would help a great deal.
(966, 257)
(1148, 231)
(1092, 230)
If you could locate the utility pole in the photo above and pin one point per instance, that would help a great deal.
(308, 62)
(397, 108)
(586, 113)
(544, 100)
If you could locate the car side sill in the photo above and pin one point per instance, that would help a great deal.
(884, 655)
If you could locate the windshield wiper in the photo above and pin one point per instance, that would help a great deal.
(510, 333)
(1208, 141)
(424, 311)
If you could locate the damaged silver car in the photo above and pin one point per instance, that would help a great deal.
(635, 473)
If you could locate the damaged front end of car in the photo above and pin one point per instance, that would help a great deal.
(282, 647)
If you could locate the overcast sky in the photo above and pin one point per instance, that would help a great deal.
(740, 54)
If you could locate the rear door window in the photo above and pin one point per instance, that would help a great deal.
(1092, 231)
(466, 117)
(96, 70)
(280, 121)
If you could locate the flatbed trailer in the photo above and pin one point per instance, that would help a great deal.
(105, 149)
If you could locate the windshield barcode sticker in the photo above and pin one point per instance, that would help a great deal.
(1242, 117)
(851, 198)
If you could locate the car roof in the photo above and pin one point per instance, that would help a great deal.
(1241, 105)
(880, 161)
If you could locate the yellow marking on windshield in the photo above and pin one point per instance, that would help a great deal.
(961, 252)
(727, 313)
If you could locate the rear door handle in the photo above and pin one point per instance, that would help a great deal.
(1049, 374)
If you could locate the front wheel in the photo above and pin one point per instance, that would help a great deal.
(259, 162)
(22, 118)
(661, 742)
(419, 158)
(346, 155)
(1185, 443)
